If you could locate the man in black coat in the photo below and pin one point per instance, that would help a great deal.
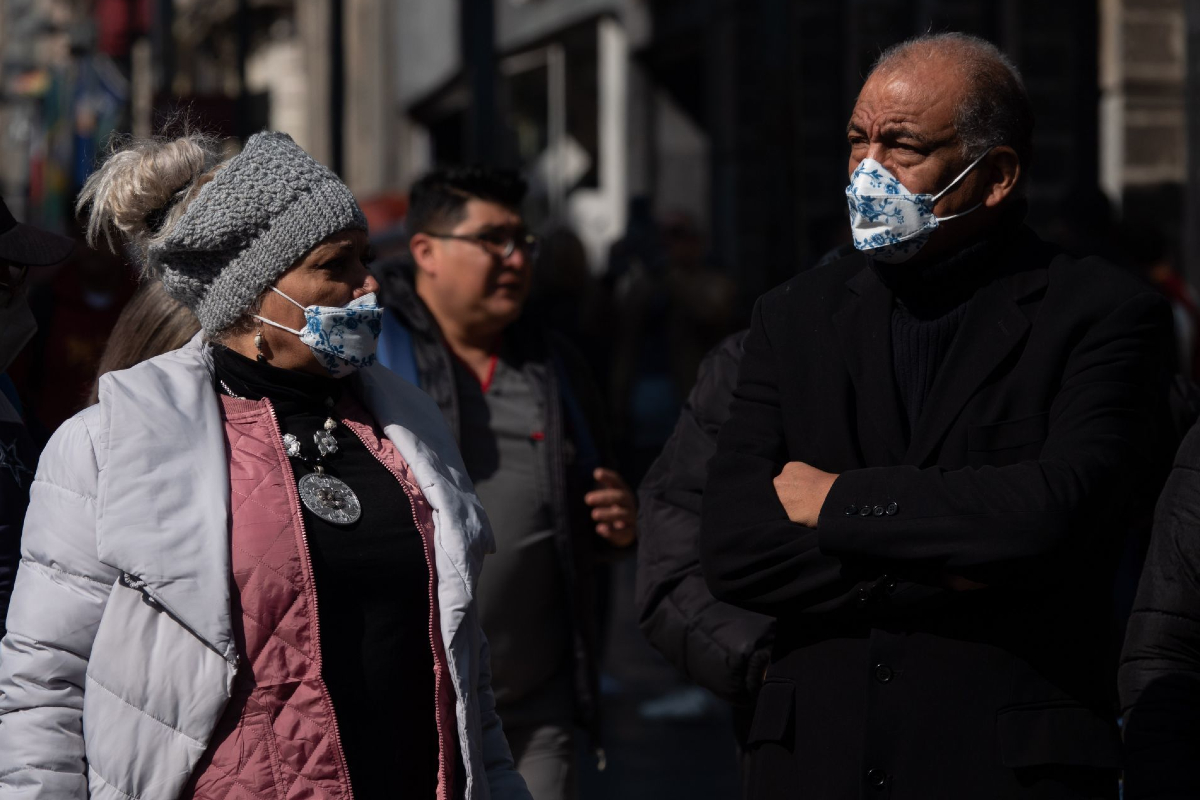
(933, 454)
(21, 247)
(721, 647)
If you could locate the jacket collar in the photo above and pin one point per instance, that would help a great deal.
(996, 320)
(398, 291)
(163, 498)
(863, 324)
(163, 494)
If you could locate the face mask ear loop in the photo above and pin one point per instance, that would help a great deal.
(290, 300)
(956, 181)
(277, 325)
(959, 214)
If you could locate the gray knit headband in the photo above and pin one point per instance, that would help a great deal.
(267, 207)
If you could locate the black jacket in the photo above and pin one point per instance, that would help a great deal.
(1037, 444)
(18, 461)
(548, 361)
(1160, 665)
(721, 647)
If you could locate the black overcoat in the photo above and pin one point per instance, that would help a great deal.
(1037, 444)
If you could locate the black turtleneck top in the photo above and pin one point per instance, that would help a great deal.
(372, 584)
(930, 303)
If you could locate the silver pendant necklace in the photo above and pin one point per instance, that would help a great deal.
(328, 497)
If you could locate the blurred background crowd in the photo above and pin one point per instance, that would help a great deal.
(683, 156)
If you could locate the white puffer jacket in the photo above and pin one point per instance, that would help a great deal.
(105, 696)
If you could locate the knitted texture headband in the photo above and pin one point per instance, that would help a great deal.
(263, 210)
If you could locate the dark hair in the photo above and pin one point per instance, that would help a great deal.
(437, 201)
(151, 323)
(995, 109)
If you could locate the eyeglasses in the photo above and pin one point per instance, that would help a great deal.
(499, 243)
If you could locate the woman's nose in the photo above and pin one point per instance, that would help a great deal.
(369, 285)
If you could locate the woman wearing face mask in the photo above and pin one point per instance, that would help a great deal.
(248, 570)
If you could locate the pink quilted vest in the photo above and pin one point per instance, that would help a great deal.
(278, 737)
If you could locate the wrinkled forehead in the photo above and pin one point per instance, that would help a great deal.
(922, 93)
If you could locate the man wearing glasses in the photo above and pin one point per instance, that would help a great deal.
(21, 247)
(527, 420)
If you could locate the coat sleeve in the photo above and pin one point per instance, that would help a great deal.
(719, 646)
(752, 555)
(60, 594)
(1102, 444)
(504, 782)
(1159, 677)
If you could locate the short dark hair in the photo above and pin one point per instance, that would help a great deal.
(995, 110)
(438, 200)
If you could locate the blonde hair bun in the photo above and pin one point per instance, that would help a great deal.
(142, 188)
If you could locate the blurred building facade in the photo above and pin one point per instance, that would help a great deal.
(732, 113)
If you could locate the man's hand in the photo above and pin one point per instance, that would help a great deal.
(802, 491)
(613, 508)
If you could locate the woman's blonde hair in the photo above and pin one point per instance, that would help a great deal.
(143, 187)
(151, 323)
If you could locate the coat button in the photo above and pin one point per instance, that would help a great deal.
(851, 510)
(883, 673)
(892, 509)
(865, 511)
(878, 511)
(864, 597)
(876, 778)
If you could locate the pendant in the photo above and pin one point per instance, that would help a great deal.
(291, 445)
(325, 441)
(329, 498)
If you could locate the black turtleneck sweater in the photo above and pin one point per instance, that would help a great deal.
(372, 585)
(930, 303)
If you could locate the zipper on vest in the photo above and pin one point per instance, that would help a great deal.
(427, 548)
(139, 585)
(306, 561)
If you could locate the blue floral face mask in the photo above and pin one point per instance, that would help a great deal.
(342, 338)
(889, 222)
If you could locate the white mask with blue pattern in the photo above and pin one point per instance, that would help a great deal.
(889, 223)
(342, 338)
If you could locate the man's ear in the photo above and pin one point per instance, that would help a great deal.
(1003, 174)
(423, 251)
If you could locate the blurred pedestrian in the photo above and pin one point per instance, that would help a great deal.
(722, 648)
(933, 455)
(568, 300)
(152, 323)
(1147, 250)
(672, 307)
(21, 247)
(165, 638)
(719, 646)
(76, 310)
(1160, 662)
(529, 423)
